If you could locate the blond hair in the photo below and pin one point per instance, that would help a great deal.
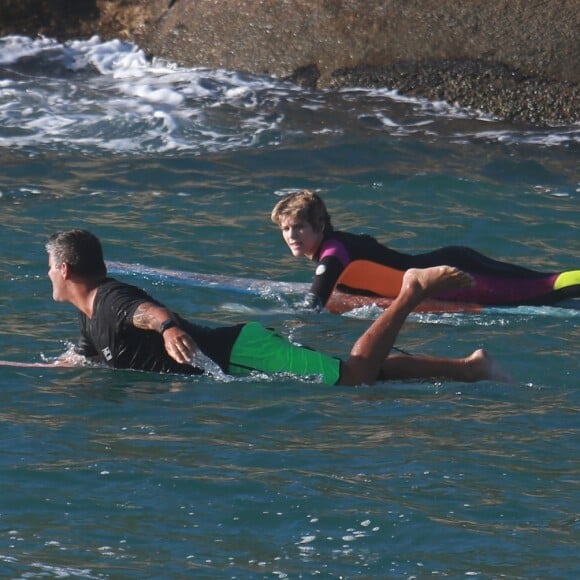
(303, 205)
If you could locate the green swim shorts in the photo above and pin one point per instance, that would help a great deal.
(261, 349)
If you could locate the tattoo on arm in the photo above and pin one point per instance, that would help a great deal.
(149, 316)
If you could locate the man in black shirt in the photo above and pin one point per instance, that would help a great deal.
(124, 327)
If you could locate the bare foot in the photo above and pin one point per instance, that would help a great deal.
(428, 281)
(482, 367)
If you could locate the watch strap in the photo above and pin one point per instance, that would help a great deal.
(166, 325)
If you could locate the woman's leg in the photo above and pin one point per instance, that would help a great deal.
(474, 262)
(498, 283)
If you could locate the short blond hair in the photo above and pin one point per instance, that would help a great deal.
(304, 205)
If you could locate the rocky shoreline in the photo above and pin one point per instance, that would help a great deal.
(513, 59)
(492, 88)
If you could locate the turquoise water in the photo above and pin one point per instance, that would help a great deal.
(110, 474)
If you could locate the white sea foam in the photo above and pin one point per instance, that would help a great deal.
(92, 95)
(14, 48)
(202, 361)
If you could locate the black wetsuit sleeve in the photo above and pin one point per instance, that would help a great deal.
(327, 273)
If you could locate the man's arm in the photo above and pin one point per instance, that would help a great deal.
(178, 344)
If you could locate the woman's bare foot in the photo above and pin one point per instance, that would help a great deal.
(482, 367)
(427, 281)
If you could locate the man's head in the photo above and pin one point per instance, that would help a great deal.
(304, 205)
(74, 253)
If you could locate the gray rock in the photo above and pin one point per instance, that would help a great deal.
(516, 59)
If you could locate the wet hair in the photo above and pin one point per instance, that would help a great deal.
(304, 205)
(80, 249)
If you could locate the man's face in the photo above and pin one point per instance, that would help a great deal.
(301, 237)
(56, 275)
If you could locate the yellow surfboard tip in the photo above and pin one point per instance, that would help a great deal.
(566, 279)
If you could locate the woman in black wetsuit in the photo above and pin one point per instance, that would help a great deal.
(307, 230)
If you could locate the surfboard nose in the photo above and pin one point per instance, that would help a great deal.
(567, 279)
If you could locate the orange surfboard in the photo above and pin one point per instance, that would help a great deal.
(341, 302)
(372, 277)
(385, 283)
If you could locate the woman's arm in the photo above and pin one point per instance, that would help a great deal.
(326, 275)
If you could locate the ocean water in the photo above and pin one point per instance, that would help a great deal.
(116, 474)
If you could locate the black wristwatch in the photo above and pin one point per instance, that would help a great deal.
(166, 324)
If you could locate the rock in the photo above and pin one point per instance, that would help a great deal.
(516, 59)
(494, 88)
(52, 18)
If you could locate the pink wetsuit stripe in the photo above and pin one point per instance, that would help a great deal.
(335, 248)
